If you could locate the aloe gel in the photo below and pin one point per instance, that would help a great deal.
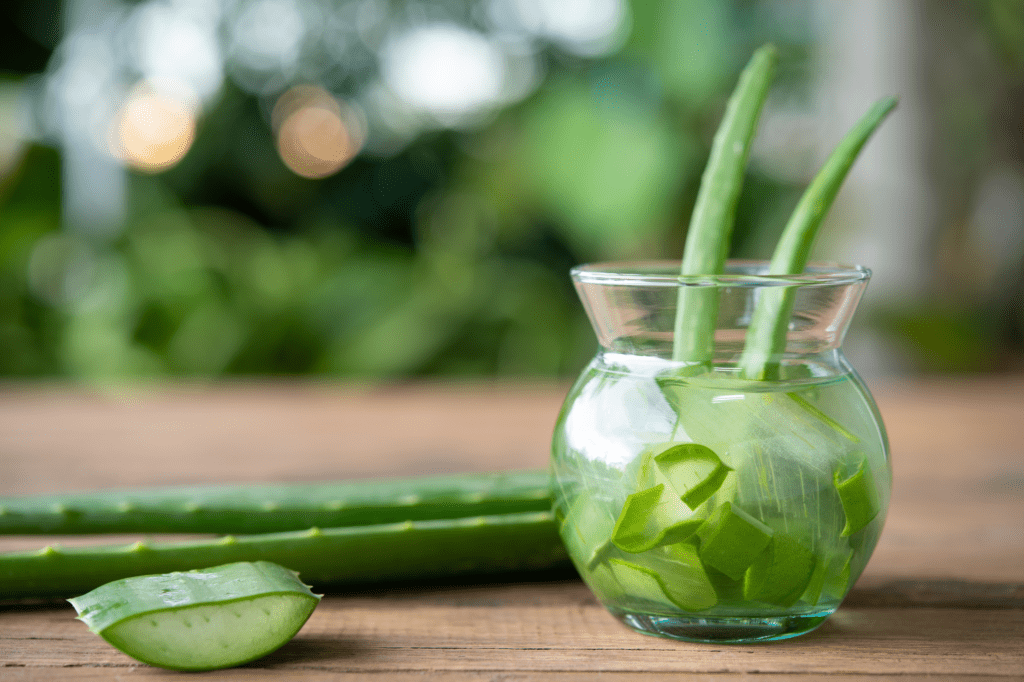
(702, 505)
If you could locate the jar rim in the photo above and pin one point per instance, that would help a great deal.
(738, 273)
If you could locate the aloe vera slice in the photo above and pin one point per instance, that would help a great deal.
(647, 521)
(202, 619)
(694, 469)
(731, 539)
(781, 573)
(859, 498)
(586, 529)
(672, 583)
(830, 575)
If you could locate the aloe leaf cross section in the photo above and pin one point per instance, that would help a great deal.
(203, 619)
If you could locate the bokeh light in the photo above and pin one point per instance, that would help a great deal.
(153, 130)
(444, 70)
(316, 134)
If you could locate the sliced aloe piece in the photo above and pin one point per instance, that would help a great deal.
(812, 593)
(694, 471)
(681, 583)
(830, 576)
(731, 539)
(586, 530)
(781, 573)
(203, 619)
(859, 498)
(602, 582)
(649, 519)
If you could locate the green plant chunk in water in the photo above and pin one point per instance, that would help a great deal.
(830, 577)
(694, 469)
(680, 583)
(200, 620)
(781, 573)
(645, 523)
(859, 498)
(586, 528)
(731, 539)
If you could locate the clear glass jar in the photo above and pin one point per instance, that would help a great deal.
(704, 501)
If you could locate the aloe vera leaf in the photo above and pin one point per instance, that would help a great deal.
(409, 551)
(707, 238)
(270, 508)
(671, 583)
(647, 521)
(200, 620)
(693, 469)
(859, 498)
(731, 539)
(766, 335)
(781, 573)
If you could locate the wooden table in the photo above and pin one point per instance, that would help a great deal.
(943, 596)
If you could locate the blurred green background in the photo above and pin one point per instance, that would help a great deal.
(397, 188)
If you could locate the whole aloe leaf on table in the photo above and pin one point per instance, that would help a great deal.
(277, 507)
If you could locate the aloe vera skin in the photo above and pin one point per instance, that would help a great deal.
(200, 620)
(711, 223)
(271, 508)
(407, 551)
(766, 335)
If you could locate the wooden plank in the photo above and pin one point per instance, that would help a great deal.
(250, 673)
(558, 627)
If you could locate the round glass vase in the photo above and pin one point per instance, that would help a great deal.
(721, 474)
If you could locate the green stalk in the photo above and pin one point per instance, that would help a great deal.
(412, 550)
(766, 336)
(271, 508)
(707, 239)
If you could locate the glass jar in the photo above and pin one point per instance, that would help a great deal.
(716, 488)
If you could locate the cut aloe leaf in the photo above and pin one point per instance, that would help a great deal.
(672, 583)
(731, 539)
(830, 577)
(602, 582)
(586, 529)
(859, 498)
(648, 521)
(203, 619)
(694, 471)
(781, 573)
(812, 593)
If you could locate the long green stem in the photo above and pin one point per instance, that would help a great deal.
(271, 508)
(707, 239)
(766, 336)
(413, 550)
